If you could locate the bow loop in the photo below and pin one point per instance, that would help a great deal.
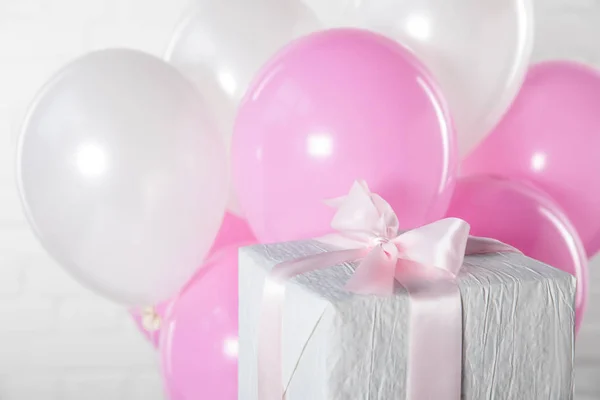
(441, 244)
(364, 214)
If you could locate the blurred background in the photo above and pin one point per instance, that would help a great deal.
(59, 341)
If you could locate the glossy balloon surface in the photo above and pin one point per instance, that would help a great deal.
(221, 45)
(123, 175)
(478, 51)
(551, 137)
(199, 339)
(331, 108)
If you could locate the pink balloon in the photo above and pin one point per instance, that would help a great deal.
(200, 334)
(234, 231)
(551, 137)
(526, 218)
(331, 108)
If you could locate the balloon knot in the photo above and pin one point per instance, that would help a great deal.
(151, 321)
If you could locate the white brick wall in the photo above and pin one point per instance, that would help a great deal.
(57, 340)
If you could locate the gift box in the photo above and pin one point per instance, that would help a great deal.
(517, 330)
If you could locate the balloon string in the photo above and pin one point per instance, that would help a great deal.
(150, 319)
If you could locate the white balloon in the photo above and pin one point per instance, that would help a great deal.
(224, 43)
(478, 50)
(123, 175)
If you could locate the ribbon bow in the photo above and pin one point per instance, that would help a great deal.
(424, 261)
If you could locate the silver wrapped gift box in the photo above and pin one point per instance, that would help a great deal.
(518, 330)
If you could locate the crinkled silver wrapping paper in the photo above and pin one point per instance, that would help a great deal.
(518, 318)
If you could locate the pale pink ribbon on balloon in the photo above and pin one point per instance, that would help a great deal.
(425, 261)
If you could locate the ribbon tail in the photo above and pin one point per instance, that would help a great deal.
(269, 341)
(435, 352)
(440, 244)
(270, 329)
